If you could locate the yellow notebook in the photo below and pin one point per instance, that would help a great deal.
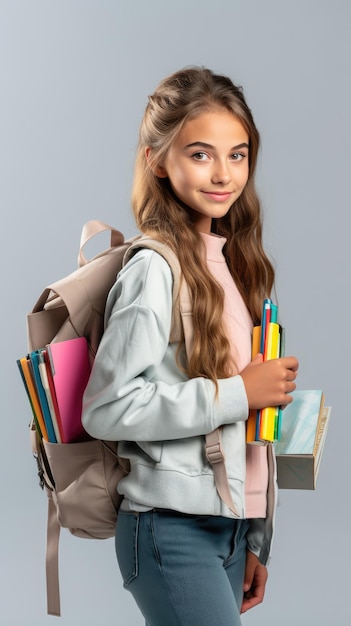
(268, 415)
(252, 419)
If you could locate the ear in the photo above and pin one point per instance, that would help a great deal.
(158, 170)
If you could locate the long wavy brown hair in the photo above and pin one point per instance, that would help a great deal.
(179, 98)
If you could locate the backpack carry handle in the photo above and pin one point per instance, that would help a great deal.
(92, 228)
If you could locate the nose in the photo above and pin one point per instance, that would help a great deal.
(221, 173)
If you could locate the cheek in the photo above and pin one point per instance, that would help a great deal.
(180, 177)
(244, 176)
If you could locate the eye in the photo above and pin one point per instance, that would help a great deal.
(199, 156)
(238, 156)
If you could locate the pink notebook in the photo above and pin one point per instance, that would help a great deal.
(70, 368)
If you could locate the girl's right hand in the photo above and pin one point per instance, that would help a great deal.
(269, 383)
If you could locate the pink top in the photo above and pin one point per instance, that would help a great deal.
(238, 325)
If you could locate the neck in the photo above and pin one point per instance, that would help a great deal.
(203, 224)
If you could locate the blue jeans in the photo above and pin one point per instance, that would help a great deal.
(183, 570)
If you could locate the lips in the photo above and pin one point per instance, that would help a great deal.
(218, 196)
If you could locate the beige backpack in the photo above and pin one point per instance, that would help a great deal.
(81, 478)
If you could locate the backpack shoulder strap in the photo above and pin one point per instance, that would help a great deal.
(215, 455)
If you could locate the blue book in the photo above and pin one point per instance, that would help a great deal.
(300, 422)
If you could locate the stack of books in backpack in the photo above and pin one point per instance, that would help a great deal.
(55, 378)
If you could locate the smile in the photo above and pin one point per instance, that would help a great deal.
(218, 196)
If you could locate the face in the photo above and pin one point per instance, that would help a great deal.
(208, 165)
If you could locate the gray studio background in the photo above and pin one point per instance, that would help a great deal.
(74, 77)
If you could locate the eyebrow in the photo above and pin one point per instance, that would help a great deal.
(202, 144)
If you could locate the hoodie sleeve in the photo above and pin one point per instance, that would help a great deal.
(133, 394)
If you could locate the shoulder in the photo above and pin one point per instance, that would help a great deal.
(145, 280)
(146, 263)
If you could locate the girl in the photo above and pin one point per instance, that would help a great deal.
(187, 558)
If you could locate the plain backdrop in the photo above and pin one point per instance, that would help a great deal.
(74, 80)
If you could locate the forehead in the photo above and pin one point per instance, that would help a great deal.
(217, 127)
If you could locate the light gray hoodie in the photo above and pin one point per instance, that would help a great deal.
(139, 396)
